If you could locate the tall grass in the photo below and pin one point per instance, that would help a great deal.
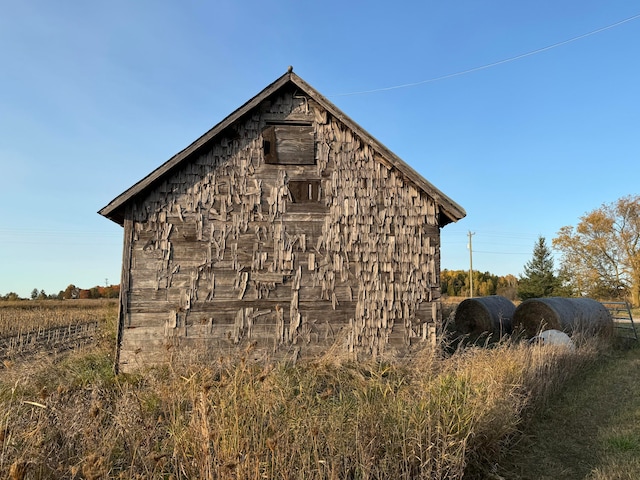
(431, 418)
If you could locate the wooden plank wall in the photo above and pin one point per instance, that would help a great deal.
(221, 257)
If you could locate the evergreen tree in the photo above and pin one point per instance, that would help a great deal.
(539, 279)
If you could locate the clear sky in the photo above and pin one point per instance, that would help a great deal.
(95, 95)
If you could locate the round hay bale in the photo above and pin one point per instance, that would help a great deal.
(569, 315)
(477, 316)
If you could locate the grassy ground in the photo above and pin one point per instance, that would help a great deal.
(589, 430)
(439, 417)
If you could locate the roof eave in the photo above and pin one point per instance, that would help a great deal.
(451, 209)
(111, 210)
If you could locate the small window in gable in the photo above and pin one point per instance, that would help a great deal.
(289, 145)
(304, 191)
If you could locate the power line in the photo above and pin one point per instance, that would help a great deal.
(503, 253)
(489, 65)
(55, 232)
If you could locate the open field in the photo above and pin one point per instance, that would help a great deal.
(32, 315)
(68, 416)
(30, 328)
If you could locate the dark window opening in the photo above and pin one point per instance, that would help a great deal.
(304, 191)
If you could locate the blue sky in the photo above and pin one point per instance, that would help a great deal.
(95, 95)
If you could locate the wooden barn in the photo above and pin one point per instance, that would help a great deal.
(284, 231)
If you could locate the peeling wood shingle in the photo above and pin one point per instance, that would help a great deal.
(219, 235)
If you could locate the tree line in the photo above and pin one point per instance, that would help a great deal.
(70, 293)
(457, 283)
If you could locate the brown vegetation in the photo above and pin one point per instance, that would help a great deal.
(21, 316)
(438, 417)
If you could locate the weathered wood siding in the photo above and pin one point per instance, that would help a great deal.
(221, 256)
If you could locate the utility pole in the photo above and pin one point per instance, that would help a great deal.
(470, 265)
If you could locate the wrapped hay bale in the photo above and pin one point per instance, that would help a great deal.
(554, 338)
(481, 315)
(569, 315)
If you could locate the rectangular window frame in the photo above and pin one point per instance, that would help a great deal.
(305, 191)
(289, 144)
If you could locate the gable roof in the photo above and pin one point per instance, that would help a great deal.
(450, 210)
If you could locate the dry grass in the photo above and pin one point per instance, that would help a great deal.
(434, 418)
(28, 316)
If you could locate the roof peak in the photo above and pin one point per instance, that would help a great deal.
(452, 210)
